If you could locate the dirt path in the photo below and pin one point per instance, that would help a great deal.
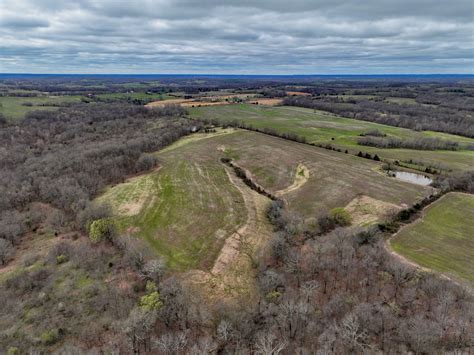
(254, 203)
(233, 273)
(301, 176)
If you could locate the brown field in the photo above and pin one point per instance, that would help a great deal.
(214, 101)
(266, 102)
(297, 93)
(205, 103)
(162, 103)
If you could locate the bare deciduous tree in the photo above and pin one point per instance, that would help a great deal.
(172, 343)
(137, 328)
(153, 270)
(268, 344)
(224, 331)
(352, 334)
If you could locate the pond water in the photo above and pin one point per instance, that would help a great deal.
(413, 178)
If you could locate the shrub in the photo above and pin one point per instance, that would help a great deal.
(275, 212)
(326, 224)
(91, 213)
(101, 229)
(50, 337)
(340, 216)
(145, 162)
(387, 166)
(374, 133)
(13, 350)
(367, 236)
(151, 301)
(273, 296)
(60, 259)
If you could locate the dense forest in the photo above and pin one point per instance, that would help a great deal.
(65, 158)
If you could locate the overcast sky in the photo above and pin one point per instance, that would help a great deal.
(237, 37)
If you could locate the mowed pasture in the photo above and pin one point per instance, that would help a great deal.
(15, 107)
(333, 179)
(189, 206)
(325, 128)
(443, 239)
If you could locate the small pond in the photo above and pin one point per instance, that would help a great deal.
(413, 178)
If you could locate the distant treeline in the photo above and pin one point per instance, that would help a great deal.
(418, 117)
(420, 143)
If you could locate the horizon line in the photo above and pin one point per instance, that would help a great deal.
(220, 74)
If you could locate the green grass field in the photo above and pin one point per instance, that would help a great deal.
(13, 106)
(322, 128)
(167, 207)
(443, 240)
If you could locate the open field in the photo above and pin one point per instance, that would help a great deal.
(325, 128)
(443, 239)
(166, 206)
(216, 100)
(265, 102)
(274, 163)
(13, 107)
(297, 93)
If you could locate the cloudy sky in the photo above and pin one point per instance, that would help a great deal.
(237, 37)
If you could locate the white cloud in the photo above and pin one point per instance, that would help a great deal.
(184, 36)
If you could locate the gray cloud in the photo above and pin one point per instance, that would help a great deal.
(281, 37)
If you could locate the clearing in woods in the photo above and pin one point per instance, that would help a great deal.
(166, 206)
(325, 128)
(443, 238)
(15, 107)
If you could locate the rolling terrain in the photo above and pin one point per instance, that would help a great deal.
(165, 207)
(325, 128)
(133, 226)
